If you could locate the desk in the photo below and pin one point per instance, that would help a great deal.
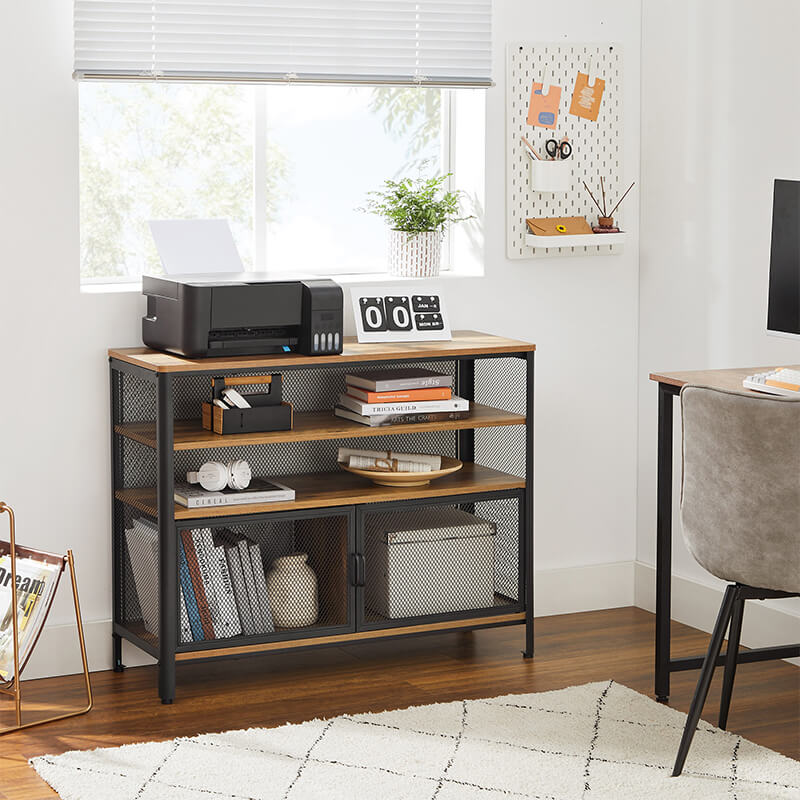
(669, 385)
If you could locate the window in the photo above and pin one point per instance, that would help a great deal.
(288, 166)
(278, 117)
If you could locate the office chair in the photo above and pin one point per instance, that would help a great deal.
(740, 512)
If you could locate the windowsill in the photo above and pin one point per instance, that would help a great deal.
(355, 279)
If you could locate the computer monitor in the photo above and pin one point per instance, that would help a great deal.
(783, 311)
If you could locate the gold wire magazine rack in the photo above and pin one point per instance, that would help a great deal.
(36, 575)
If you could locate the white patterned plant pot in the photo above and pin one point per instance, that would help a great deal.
(415, 255)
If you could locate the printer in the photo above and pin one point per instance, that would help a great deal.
(248, 313)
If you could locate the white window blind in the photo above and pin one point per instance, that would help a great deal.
(433, 43)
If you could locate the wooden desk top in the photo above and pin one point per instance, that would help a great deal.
(463, 343)
(730, 379)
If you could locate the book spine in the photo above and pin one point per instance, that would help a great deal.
(186, 630)
(192, 610)
(261, 588)
(382, 420)
(250, 582)
(430, 406)
(240, 590)
(411, 395)
(400, 384)
(206, 620)
(227, 600)
(204, 561)
(422, 382)
(235, 499)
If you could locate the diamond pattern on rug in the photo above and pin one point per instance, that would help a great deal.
(600, 741)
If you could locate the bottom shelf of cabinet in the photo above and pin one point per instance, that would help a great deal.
(469, 623)
(221, 648)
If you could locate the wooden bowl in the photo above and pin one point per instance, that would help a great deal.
(449, 466)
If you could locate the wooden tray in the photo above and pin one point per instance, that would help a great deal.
(449, 466)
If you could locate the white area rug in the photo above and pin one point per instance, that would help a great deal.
(601, 741)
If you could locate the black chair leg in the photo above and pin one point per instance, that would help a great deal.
(706, 674)
(731, 659)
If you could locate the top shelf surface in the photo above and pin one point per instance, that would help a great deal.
(463, 343)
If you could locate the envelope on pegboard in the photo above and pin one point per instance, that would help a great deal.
(585, 98)
(543, 108)
(558, 226)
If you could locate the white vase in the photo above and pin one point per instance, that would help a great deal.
(292, 591)
(415, 255)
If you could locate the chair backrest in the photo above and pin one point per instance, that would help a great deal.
(740, 496)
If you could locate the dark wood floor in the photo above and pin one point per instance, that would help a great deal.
(270, 690)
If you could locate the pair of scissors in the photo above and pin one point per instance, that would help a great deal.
(558, 150)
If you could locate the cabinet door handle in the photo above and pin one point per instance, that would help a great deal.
(360, 570)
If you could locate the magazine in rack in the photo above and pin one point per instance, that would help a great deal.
(37, 579)
(28, 582)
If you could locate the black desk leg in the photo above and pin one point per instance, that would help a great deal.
(168, 577)
(664, 541)
(528, 537)
(117, 479)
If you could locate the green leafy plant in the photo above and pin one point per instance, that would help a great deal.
(416, 205)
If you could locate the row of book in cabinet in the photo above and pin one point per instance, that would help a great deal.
(223, 584)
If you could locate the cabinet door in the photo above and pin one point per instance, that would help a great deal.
(284, 576)
(446, 559)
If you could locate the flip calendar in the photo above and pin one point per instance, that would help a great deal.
(404, 312)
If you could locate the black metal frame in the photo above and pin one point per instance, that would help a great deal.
(664, 664)
(168, 639)
(731, 612)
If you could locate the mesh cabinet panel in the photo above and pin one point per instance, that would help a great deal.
(137, 400)
(252, 579)
(137, 566)
(430, 560)
(500, 383)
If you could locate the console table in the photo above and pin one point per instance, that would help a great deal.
(156, 436)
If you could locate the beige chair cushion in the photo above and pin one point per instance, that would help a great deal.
(740, 497)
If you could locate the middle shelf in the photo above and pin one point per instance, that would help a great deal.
(327, 489)
(311, 426)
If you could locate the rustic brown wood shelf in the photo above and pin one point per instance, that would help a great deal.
(311, 426)
(481, 578)
(463, 343)
(328, 489)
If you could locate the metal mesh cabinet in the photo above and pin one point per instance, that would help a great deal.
(375, 561)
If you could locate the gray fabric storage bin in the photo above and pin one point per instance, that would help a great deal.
(429, 560)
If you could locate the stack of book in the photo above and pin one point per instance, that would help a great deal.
(400, 396)
(223, 587)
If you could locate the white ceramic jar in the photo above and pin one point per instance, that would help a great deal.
(292, 591)
(415, 255)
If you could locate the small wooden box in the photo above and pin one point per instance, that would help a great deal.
(268, 412)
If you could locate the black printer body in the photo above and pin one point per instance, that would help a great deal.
(242, 314)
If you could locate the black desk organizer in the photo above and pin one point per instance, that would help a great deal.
(157, 437)
(268, 412)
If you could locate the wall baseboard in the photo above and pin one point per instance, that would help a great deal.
(557, 591)
(696, 604)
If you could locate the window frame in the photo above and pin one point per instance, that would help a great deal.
(261, 261)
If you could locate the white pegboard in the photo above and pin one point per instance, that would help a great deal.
(597, 146)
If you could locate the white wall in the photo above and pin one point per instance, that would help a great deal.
(720, 121)
(581, 312)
